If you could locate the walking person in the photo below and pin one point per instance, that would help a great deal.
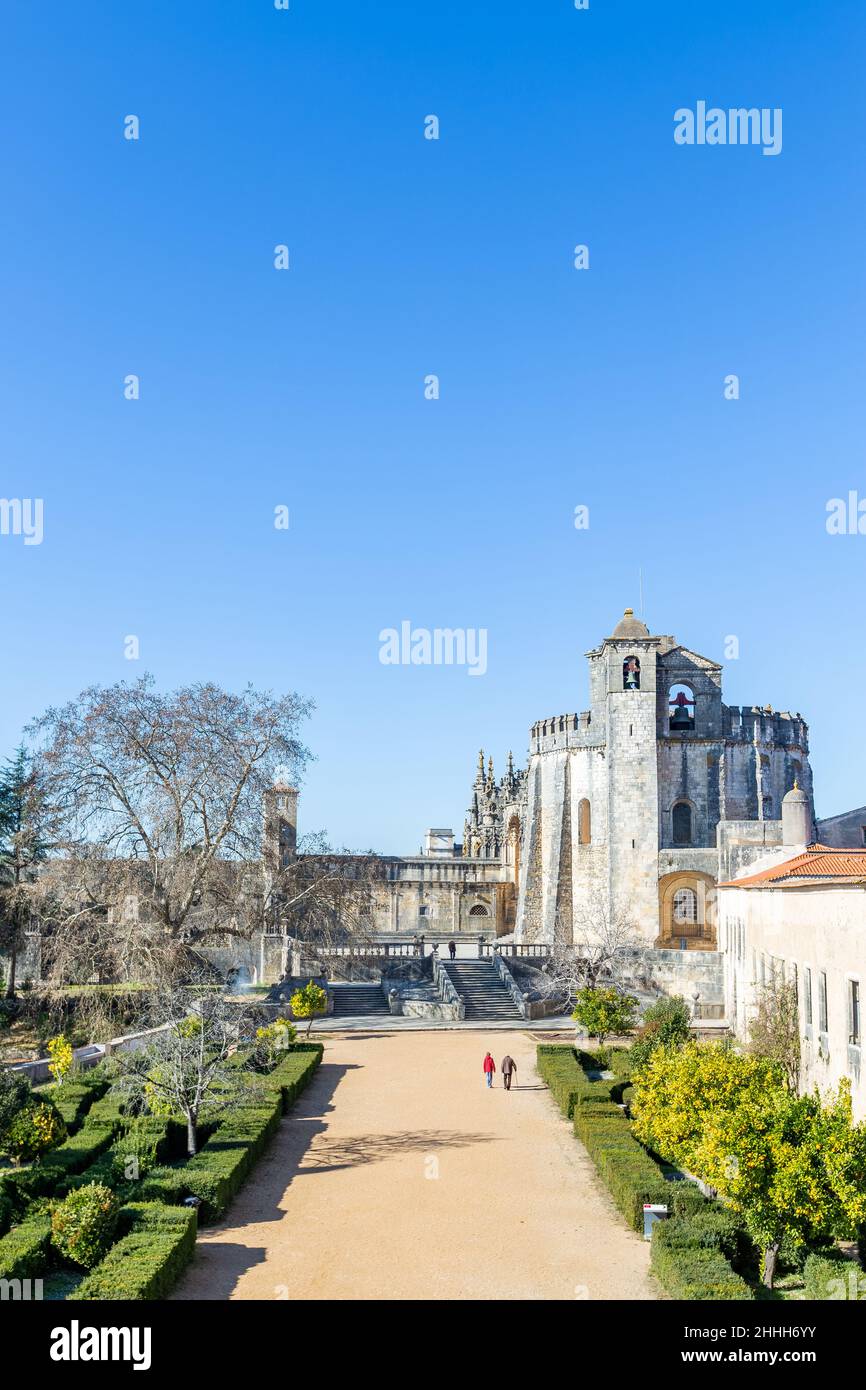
(508, 1068)
(489, 1069)
(452, 949)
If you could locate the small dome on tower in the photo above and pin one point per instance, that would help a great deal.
(630, 626)
(794, 796)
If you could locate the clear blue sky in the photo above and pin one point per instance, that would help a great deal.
(410, 257)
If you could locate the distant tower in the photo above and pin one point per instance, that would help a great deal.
(280, 825)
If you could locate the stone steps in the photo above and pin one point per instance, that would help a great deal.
(356, 1001)
(484, 994)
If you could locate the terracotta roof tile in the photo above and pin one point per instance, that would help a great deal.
(817, 864)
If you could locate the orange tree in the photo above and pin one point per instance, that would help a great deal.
(678, 1089)
(793, 1168)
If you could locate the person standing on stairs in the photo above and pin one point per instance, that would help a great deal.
(452, 949)
(489, 1069)
(508, 1068)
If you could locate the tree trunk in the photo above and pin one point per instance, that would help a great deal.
(10, 982)
(310, 1026)
(190, 1135)
(770, 1254)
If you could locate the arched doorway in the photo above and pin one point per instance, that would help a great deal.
(687, 912)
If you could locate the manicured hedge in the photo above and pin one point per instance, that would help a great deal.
(101, 1123)
(24, 1251)
(221, 1166)
(73, 1099)
(632, 1177)
(294, 1073)
(569, 1084)
(829, 1274)
(148, 1260)
(218, 1170)
(692, 1250)
(688, 1258)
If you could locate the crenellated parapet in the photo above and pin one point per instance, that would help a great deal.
(762, 724)
(566, 731)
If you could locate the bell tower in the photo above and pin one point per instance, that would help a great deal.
(628, 661)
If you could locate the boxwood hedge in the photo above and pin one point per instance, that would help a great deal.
(157, 1244)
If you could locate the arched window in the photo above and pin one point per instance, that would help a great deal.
(479, 910)
(584, 823)
(685, 906)
(681, 708)
(681, 818)
(631, 673)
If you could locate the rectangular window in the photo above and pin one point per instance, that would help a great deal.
(807, 994)
(854, 1012)
(822, 1002)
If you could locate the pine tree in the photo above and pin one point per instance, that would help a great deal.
(23, 845)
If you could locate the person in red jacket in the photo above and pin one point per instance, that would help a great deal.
(489, 1068)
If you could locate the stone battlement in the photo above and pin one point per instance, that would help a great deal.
(757, 723)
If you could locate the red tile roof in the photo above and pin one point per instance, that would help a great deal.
(817, 864)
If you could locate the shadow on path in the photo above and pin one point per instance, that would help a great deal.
(325, 1154)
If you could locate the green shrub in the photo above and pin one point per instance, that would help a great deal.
(37, 1127)
(15, 1093)
(74, 1099)
(688, 1259)
(828, 1274)
(156, 1244)
(24, 1250)
(83, 1224)
(216, 1173)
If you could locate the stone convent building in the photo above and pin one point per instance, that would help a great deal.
(632, 810)
(638, 806)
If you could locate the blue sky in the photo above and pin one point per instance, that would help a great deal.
(409, 257)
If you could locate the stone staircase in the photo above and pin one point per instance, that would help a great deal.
(484, 993)
(358, 1000)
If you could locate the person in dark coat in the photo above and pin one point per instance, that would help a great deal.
(452, 949)
(508, 1068)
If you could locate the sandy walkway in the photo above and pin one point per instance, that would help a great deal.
(398, 1175)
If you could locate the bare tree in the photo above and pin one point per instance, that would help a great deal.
(186, 1065)
(596, 954)
(774, 1031)
(160, 797)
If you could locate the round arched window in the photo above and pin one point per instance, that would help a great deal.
(685, 905)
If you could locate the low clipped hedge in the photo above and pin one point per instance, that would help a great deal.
(690, 1256)
(828, 1274)
(693, 1250)
(632, 1177)
(148, 1259)
(560, 1068)
(24, 1250)
(73, 1099)
(101, 1124)
(217, 1172)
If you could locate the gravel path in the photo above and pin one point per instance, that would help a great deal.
(398, 1175)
